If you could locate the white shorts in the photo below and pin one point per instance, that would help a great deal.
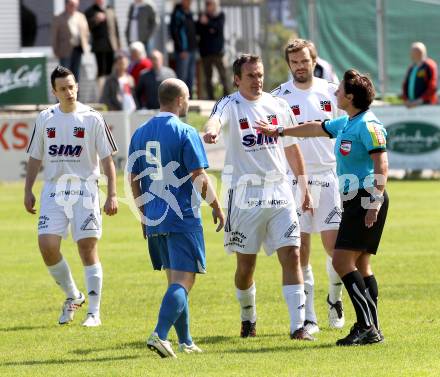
(75, 203)
(326, 203)
(272, 223)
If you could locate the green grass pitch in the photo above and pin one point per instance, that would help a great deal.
(33, 344)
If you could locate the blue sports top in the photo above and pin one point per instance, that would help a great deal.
(356, 139)
(163, 152)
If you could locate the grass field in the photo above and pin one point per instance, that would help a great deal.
(33, 344)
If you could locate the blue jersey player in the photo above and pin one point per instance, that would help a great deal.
(167, 164)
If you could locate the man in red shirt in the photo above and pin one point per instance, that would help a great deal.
(420, 85)
(138, 60)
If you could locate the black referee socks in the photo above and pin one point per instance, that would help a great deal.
(355, 286)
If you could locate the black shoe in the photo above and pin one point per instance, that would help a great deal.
(301, 334)
(382, 338)
(359, 336)
(248, 329)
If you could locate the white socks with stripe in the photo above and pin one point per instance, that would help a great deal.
(295, 299)
(93, 277)
(246, 298)
(63, 277)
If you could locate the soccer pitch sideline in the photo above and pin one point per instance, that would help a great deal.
(33, 344)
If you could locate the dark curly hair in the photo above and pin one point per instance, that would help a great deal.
(361, 87)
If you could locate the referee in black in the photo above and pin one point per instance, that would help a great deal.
(362, 168)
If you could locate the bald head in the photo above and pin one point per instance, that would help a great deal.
(173, 96)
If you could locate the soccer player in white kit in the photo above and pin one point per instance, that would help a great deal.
(71, 138)
(261, 206)
(313, 99)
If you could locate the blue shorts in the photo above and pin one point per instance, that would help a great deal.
(178, 251)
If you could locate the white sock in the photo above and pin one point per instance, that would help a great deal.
(63, 277)
(334, 283)
(93, 275)
(309, 290)
(295, 299)
(246, 298)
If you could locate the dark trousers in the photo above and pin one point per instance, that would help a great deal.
(208, 62)
(104, 61)
(73, 62)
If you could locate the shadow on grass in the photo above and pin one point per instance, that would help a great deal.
(23, 328)
(295, 347)
(131, 345)
(69, 361)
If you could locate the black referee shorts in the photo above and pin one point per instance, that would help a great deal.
(353, 234)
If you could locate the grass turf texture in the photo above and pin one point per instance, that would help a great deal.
(33, 344)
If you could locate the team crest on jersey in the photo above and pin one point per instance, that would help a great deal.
(326, 106)
(272, 119)
(345, 147)
(296, 110)
(50, 132)
(79, 132)
(243, 124)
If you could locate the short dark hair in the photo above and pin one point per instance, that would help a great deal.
(58, 72)
(168, 91)
(298, 44)
(361, 87)
(243, 59)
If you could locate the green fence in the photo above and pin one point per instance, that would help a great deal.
(346, 34)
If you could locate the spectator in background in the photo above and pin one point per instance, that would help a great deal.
(183, 32)
(323, 69)
(211, 45)
(147, 88)
(105, 37)
(420, 85)
(141, 24)
(70, 37)
(138, 60)
(118, 88)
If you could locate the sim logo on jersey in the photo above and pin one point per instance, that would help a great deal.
(79, 132)
(272, 119)
(326, 106)
(65, 150)
(296, 110)
(50, 132)
(243, 123)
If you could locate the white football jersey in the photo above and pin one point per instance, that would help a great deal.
(249, 152)
(71, 143)
(317, 103)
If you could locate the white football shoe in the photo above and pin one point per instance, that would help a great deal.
(183, 347)
(336, 318)
(161, 347)
(311, 327)
(92, 320)
(70, 306)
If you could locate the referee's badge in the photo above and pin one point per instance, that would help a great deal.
(345, 147)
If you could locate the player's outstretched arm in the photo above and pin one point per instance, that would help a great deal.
(308, 129)
(135, 185)
(203, 185)
(111, 203)
(296, 163)
(212, 129)
(33, 167)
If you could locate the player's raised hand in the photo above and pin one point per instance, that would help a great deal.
(111, 206)
(210, 137)
(218, 216)
(265, 128)
(29, 202)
